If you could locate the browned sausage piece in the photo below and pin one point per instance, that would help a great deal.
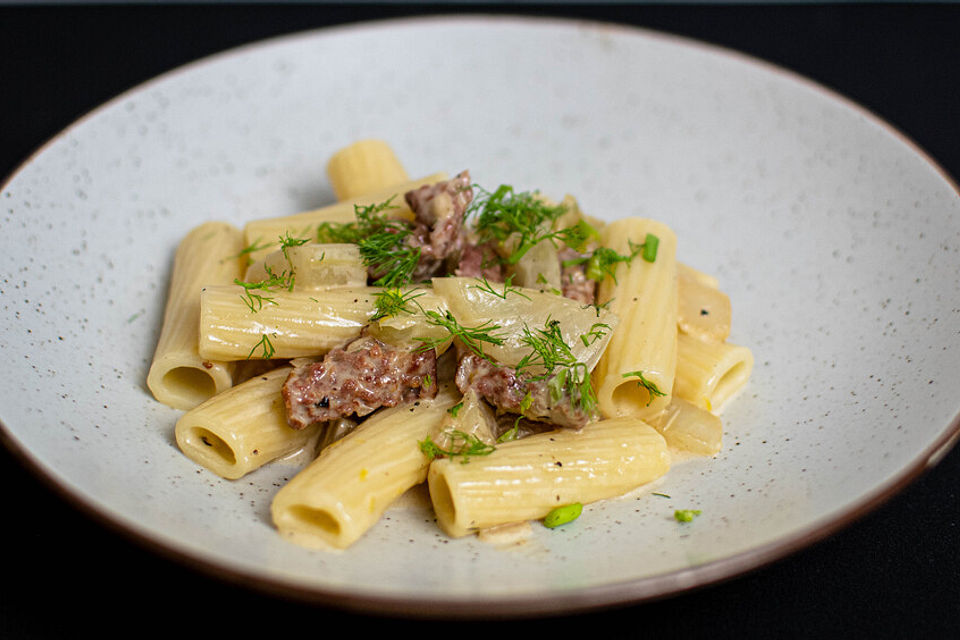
(438, 228)
(356, 379)
(502, 387)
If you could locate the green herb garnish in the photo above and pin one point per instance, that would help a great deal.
(462, 445)
(526, 402)
(391, 302)
(596, 332)
(285, 243)
(387, 253)
(283, 280)
(577, 236)
(603, 261)
(508, 288)
(382, 242)
(252, 248)
(650, 386)
(511, 433)
(471, 337)
(565, 374)
(368, 220)
(599, 307)
(548, 348)
(265, 345)
(252, 291)
(505, 213)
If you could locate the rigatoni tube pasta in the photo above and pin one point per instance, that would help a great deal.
(364, 167)
(527, 478)
(635, 374)
(710, 373)
(341, 494)
(243, 428)
(239, 324)
(179, 375)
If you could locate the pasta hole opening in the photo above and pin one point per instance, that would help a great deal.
(190, 383)
(632, 395)
(213, 445)
(728, 383)
(442, 499)
(313, 518)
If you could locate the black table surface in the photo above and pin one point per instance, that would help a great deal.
(894, 573)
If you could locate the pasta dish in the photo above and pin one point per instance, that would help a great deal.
(510, 352)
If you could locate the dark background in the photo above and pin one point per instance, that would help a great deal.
(894, 573)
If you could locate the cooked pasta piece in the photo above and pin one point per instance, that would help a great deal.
(697, 275)
(179, 376)
(709, 373)
(703, 310)
(239, 324)
(635, 375)
(525, 479)
(366, 166)
(243, 428)
(333, 501)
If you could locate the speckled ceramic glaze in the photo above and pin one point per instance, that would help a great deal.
(837, 240)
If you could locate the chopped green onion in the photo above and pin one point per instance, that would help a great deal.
(511, 433)
(650, 246)
(455, 409)
(563, 515)
(686, 515)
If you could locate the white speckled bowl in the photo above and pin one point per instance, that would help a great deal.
(836, 238)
